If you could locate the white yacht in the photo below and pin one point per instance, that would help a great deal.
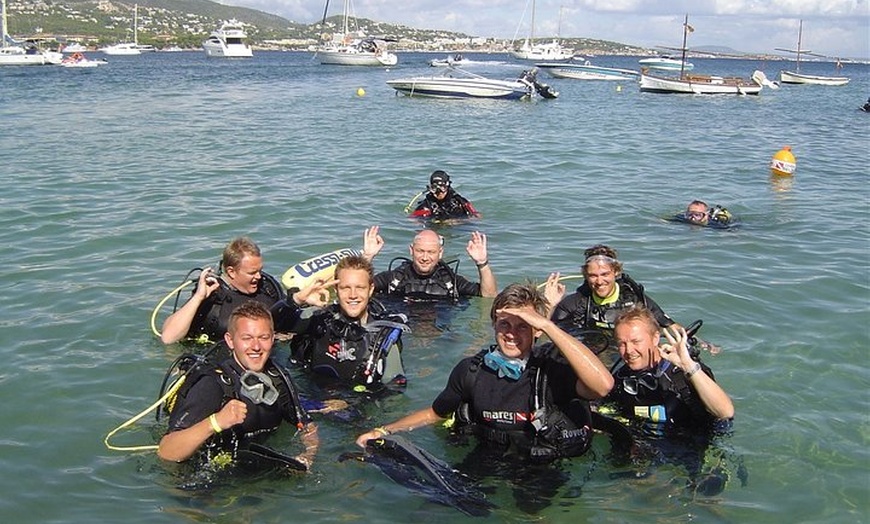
(228, 41)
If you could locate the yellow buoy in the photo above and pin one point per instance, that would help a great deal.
(618, 89)
(783, 162)
(360, 92)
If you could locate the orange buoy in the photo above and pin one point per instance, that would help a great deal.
(783, 162)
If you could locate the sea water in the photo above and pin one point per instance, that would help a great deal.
(118, 180)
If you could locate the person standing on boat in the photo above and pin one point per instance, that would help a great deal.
(224, 410)
(442, 202)
(605, 292)
(425, 275)
(207, 311)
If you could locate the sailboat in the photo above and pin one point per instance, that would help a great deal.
(701, 84)
(541, 51)
(130, 48)
(354, 48)
(14, 53)
(796, 77)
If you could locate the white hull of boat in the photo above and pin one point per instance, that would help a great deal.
(447, 87)
(666, 64)
(352, 56)
(587, 72)
(700, 85)
(218, 49)
(16, 56)
(543, 52)
(127, 49)
(228, 42)
(790, 77)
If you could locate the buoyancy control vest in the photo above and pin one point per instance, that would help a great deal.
(260, 420)
(358, 355)
(212, 317)
(558, 431)
(659, 397)
(603, 316)
(453, 206)
(441, 283)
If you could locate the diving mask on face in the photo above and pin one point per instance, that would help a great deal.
(511, 368)
(258, 388)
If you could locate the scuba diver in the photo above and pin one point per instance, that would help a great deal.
(670, 400)
(227, 409)
(605, 292)
(426, 275)
(700, 214)
(207, 311)
(524, 404)
(442, 202)
(353, 343)
(530, 78)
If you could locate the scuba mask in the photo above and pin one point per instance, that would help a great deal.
(258, 388)
(511, 368)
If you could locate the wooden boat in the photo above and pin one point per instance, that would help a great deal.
(796, 77)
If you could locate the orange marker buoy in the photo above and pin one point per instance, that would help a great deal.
(783, 162)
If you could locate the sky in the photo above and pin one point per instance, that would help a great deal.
(839, 28)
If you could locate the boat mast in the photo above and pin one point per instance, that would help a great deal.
(683, 58)
(346, 28)
(5, 29)
(800, 34)
(136, 24)
(532, 30)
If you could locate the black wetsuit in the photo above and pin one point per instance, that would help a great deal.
(504, 412)
(330, 344)
(453, 205)
(443, 282)
(579, 310)
(213, 315)
(206, 390)
(664, 398)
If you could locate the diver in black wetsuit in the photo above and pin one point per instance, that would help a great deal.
(426, 276)
(442, 202)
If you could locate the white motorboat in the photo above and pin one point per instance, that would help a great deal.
(14, 54)
(129, 48)
(228, 42)
(796, 77)
(454, 60)
(354, 48)
(587, 71)
(457, 83)
(541, 51)
(74, 47)
(78, 60)
(666, 63)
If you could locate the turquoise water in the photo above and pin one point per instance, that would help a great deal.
(118, 180)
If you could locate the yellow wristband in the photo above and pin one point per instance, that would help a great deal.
(382, 430)
(212, 419)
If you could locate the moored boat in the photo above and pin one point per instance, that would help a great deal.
(586, 71)
(29, 53)
(354, 48)
(702, 84)
(457, 83)
(228, 41)
(796, 77)
(667, 63)
(541, 51)
(79, 60)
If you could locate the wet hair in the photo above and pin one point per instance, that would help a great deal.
(520, 295)
(638, 314)
(602, 252)
(698, 203)
(356, 262)
(236, 251)
(249, 309)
